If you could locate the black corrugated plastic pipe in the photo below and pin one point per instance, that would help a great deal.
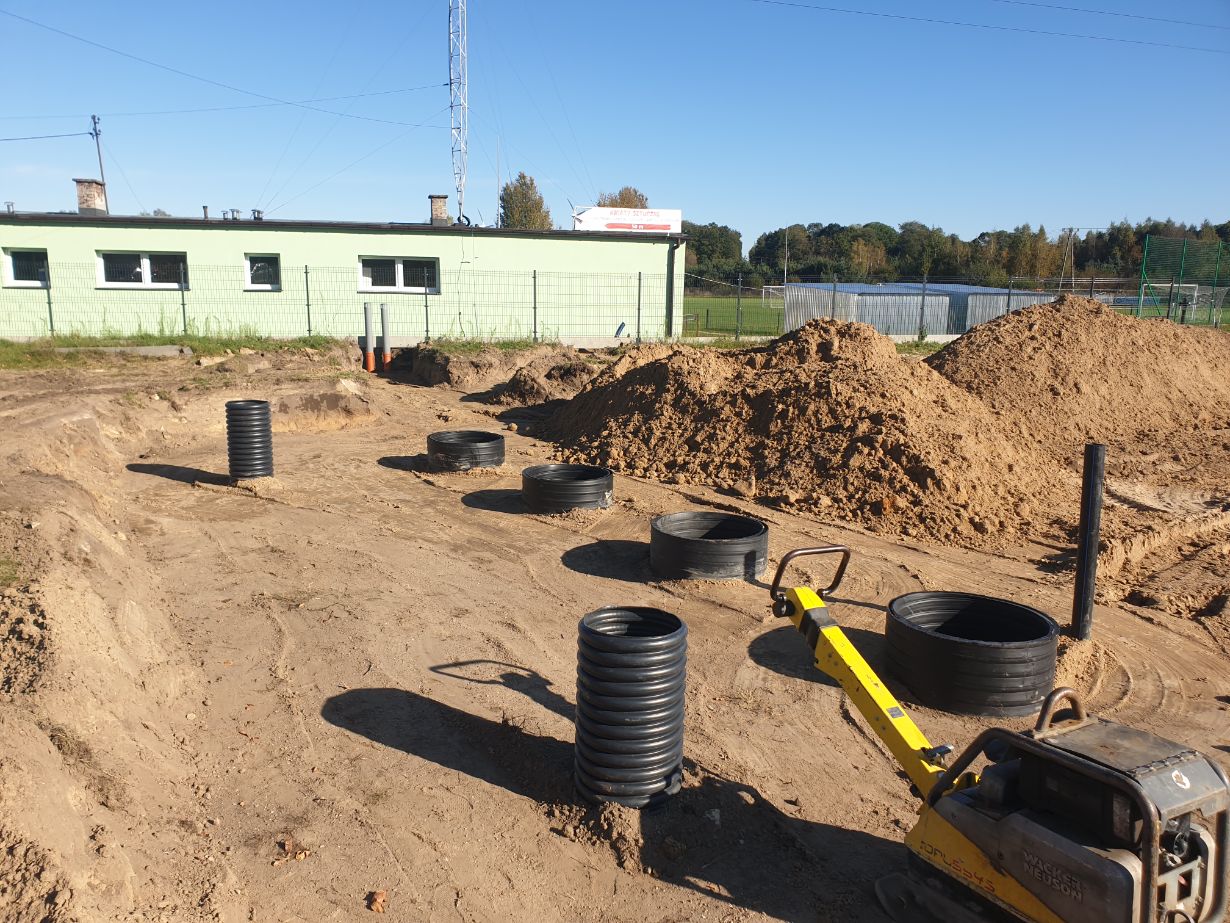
(974, 655)
(631, 667)
(558, 488)
(707, 546)
(249, 439)
(463, 449)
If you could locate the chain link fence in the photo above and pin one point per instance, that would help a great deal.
(921, 309)
(1184, 280)
(72, 298)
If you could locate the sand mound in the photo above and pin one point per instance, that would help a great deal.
(1075, 371)
(829, 418)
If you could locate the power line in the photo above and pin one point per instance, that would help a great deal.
(1078, 9)
(198, 77)
(901, 17)
(111, 154)
(320, 99)
(73, 134)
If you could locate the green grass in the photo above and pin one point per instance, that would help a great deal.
(8, 572)
(41, 354)
(457, 346)
(915, 348)
(718, 314)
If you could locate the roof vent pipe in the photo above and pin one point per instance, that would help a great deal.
(258, 215)
(205, 211)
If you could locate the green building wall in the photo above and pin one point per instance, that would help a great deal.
(574, 287)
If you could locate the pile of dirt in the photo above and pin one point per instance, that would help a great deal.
(827, 418)
(466, 371)
(1075, 371)
(531, 384)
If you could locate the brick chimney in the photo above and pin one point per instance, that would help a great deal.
(91, 197)
(439, 211)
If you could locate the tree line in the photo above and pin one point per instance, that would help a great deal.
(877, 252)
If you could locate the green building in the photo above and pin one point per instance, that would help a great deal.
(93, 273)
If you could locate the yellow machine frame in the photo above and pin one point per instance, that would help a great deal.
(932, 838)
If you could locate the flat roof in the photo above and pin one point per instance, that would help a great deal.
(248, 224)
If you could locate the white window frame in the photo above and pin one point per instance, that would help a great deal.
(248, 284)
(10, 281)
(145, 273)
(398, 266)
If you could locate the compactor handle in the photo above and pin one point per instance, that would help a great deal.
(1051, 705)
(775, 591)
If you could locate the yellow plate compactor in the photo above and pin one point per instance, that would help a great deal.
(1080, 820)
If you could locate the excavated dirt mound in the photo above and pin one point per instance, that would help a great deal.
(829, 418)
(1075, 371)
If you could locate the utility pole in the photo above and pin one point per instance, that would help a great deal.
(786, 261)
(459, 98)
(96, 133)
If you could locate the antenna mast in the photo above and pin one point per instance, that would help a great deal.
(459, 98)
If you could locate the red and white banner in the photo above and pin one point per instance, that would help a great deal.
(634, 220)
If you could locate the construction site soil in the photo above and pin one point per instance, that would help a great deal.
(348, 689)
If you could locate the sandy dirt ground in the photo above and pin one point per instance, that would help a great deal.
(271, 702)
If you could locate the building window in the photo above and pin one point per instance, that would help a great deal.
(399, 274)
(142, 270)
(26, 268)
(263, 272)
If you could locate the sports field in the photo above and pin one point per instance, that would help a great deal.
(725, 315)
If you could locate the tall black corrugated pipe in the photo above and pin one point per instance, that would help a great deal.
(631, 668)
(249, 439)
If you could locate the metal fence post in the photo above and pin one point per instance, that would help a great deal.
(51, 319)
(307, 297)
(1214, 311)
(922, 313)
(183, 302)
(1144, 265)
(738, 306)
(638, 306)
(833, 305)
(534, 282)
(1008, 309)
(426, 312)
(1091, 281)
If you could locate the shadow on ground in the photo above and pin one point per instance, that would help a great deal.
(182, 474)
(404, 462)
(500, 754)
(784, 651)
(616, 559)
(717, 837)
(529, 683)
(495, 500)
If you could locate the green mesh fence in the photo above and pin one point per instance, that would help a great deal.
(1184, 280)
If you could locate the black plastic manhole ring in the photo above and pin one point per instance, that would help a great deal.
(707, 545)
(463, 449)
(558, 488)
(970, 654)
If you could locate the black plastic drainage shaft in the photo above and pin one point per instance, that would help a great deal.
(631, 666)
(249, 439)
(1088, 540)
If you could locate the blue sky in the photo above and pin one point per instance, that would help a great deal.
(746, 113)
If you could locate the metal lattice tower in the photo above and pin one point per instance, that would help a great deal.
(459, 97)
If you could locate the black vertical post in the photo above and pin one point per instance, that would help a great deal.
(1091, 286)
(638, 306)
(670, 288)
(183, 287)
(1008, 310)
(307, 297)
(51, 319)
(535, 283)
(922, 313)
(739, 307)
(833, 304)
(1088, 539)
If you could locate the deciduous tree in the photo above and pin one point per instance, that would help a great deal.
(522, 205)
